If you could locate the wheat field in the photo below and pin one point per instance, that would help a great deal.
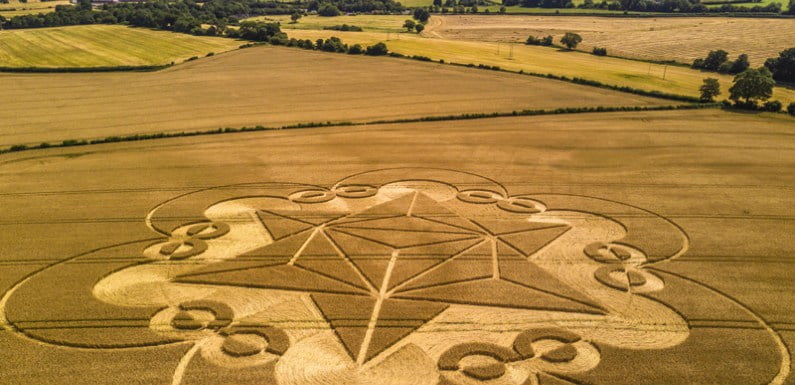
(666, 38)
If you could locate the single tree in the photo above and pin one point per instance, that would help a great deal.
(437, 3)
(791, 106)
(710, 89)
(419, 28)
(503, 9)
(570, 40)
(752, 85)
(421, 14)
(409, 25)
(295, 16)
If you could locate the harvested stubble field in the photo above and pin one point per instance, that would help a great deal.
(517, 250)
(682, 39)
(16, 8)
(270, 86)
(103, 46)
(370, 23)
(545, 60)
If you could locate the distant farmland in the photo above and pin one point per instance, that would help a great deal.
(16, 8)
(370, 23)
(544, 60)
(103, 45)
(271, 86)
(667, 38)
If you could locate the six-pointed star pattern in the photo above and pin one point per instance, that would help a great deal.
(379, 274)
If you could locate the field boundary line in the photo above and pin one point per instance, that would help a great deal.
(434, 118)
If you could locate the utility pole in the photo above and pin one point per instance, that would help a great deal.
(665, 69)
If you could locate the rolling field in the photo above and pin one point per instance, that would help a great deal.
(616, 71)
(646, 38)
(369, 23)
(15, 8)
(270, 86)
(103, 45)
(607, 249)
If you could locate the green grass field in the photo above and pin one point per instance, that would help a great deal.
(15, 8)
(102, 45)
(609, 70)
(370, 23)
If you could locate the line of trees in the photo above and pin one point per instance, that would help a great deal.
(718, 61)
(751, 90)
(666, 6)
(187, 15)
(781, 68)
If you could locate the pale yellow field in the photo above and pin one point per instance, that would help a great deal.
(615, 71)
(15, 8)
(369, 23)
(103, 45)
(647, 248)
(666, 38)
(270, 86)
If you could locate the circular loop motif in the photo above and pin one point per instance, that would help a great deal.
(478, 360)
(354, 191)
(625, 278)
(479, 196)
(208, 230)
(221, 315)
(251, 340)
(608, 252)
(183, 249)
(312, 196)
(523, 344)
(521, 205)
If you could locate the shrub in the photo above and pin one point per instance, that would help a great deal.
(772, 106)
(332, 44)
(328, 10)
(599, 51)
(791, 108)
(355, 49)
(210, 54)
(279, 39)
(192, 58)
(571, 39)
(344, 27)
(545, 41)
(421, 14)
(18, 147)
(378, 49)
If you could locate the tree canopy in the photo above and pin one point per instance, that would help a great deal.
(752, 85)
(710, 89)
(570, 40)
(783, 67)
